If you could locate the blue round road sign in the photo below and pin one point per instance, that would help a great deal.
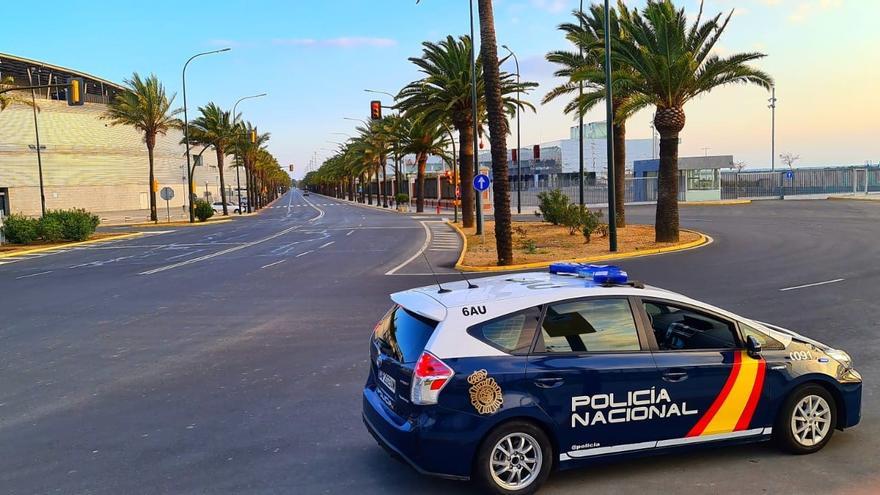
(481, 182)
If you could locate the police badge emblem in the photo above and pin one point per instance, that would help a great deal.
(485, 393)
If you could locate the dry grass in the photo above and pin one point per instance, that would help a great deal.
(553, 243)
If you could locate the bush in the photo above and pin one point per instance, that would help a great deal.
(591, 224)
(19, 229)
(553, 205)
(76, 224)
(203, 210)
(401, 198)
(50, 229)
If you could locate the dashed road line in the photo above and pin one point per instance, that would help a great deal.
(322, 246)
(812, 285)
(303, 254)
(349, 233)
(33, 275)
(272, 264)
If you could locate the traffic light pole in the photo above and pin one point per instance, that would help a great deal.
(478, 200)
(37, 134)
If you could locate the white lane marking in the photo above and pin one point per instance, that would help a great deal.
(349, 233)
(812, 285)
(272, 264)
(184, 255)
(322, 246)
(220, 253)
(418, 253)
(32, 275)
(303, 254)
(320, 211)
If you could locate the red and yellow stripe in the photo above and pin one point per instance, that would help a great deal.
(732, 410)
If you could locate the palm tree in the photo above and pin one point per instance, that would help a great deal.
(423, 139)
(11, 97)
(444, 94)
(215, 128)
(587, 66)
(672, 64)
(248, 152)
(498, 130)
(145, 106)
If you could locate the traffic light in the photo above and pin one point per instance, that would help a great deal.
(253, 136)
(75, 89)
(155, 185)
(536, 150)
(291, 167)
(513, 154)
(375, 110)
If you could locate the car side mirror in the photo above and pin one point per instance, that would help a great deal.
(753, 346)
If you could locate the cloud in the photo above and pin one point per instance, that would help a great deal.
(806, 9)
(552, 6)
(341, 42)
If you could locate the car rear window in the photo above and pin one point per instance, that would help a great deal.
(403, 334)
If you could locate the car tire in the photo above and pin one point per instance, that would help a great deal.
(806, 421)
(526, 445)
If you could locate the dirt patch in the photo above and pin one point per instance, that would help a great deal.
(535, 242)
(12, 248)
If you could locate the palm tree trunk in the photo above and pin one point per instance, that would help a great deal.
(669, 122)
(222, 181)
(384, 181)
(620, 173)
(151, 143)
(422, 162)
(497, 134)
(466, 167)
(378, 189)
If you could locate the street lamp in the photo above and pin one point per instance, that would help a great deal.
(189, 171)
(238, 168)
(772, 107)
(518, 162)
(478, 201)
(609, 128)
(581, 114)
(380, 93)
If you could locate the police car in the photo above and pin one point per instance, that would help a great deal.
(503, 379)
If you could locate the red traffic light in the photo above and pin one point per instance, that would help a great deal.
(513, 154)
(536, 150)
(375, 110)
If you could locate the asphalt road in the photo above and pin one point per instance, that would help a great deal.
(230, 358)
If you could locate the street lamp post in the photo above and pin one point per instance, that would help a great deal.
(238, 167)
(609, 128)
(37, 135)
(189, 171)
(772, 108)
(478, 201)
(581, 115)
(518, 162)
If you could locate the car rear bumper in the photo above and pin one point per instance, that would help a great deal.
(429, 453)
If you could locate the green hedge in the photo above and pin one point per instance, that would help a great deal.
(55, 226)
(203, 210)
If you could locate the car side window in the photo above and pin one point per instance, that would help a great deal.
(511, 333)
(678, 328)
(590, 325)
(767, 342)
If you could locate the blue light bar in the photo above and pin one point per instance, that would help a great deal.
(565, 268)
(610, 275)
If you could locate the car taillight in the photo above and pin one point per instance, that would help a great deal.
(429, 377)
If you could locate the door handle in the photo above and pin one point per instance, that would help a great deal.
(550, 382)
(674, 376)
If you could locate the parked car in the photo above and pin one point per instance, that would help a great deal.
(218, 207)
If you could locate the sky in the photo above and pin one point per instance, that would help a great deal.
(314, 58)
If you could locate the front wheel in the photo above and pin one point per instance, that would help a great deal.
(514, 459)
(806, 421)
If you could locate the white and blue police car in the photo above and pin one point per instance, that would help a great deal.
(503, 379)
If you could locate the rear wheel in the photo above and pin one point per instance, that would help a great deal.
(806, 421)
(515, 459)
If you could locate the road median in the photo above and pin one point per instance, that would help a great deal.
(11, 250)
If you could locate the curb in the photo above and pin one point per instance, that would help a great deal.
(180, 224)
(69, 244)
(371, 207)
(702, 241)
(724, 202)
(853, 198)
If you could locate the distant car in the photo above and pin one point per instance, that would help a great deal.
(506, 378)
(231, 208)
(305, 192)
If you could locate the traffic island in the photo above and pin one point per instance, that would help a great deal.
(538, 244)
(12, 250)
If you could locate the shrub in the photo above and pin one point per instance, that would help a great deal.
(50, 228)
(19, 229)
(76, 224)
(591, 224)
(401, 198)
(530, 246)
(553, 206)
(203, 210)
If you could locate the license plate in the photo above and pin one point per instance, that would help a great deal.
(388, 381)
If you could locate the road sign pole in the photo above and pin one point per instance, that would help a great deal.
(168, 210)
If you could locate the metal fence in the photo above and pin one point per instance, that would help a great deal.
(636, 190)
(800, 182)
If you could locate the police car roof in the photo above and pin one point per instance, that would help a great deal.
(532, 288)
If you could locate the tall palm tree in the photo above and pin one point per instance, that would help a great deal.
(215, 128)
(674, 63)
(498, 130)
(145, 106)
(12, 97)
(424, 139)
(587, 66)
(444, 94)
(248, 152)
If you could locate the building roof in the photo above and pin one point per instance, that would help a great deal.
(7, 59)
